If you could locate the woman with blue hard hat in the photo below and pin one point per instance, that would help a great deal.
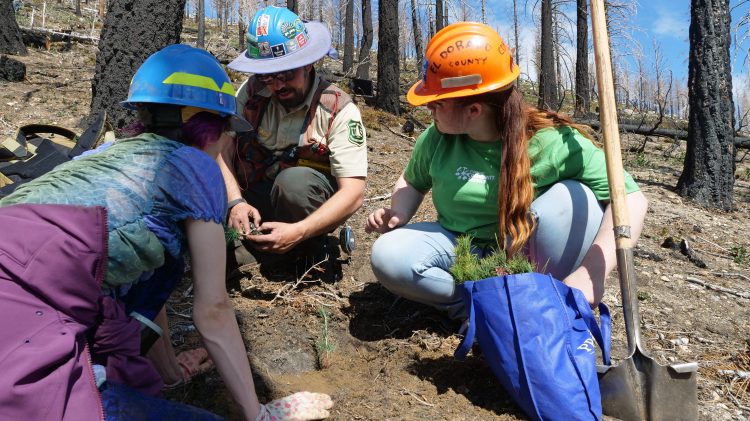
(93, 249)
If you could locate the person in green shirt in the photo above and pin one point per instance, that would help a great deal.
(497, 169)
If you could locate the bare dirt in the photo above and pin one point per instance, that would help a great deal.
(392, 359)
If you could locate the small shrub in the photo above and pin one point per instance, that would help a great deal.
(374, 119)
(640, 161)
(739, 254)
(469, 267)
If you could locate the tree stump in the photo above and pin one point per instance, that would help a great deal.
(10, 35)
(12, 70)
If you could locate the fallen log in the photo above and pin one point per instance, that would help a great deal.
(742, 142)
(42, 37)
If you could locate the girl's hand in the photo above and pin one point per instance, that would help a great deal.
(301, 406)
(241, 216)
(384, 220)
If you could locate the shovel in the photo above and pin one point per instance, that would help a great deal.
(638, 388)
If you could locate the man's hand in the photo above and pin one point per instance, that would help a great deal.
(278, 237)
(240, 217)
(384, 220)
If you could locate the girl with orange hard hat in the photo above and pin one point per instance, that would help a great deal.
(497, 168)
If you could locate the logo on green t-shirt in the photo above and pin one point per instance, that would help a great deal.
(356, 132)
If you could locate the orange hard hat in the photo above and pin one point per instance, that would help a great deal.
(463, 59)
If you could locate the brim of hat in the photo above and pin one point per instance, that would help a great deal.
(419, 95)
(239, 124)
(316, 48)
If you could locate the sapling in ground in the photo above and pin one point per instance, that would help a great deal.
(325, 345)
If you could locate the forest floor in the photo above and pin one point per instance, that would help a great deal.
(381, 357)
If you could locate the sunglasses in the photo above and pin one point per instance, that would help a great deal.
(282, 77)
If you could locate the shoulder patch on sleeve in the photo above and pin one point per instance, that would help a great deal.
(356, 132)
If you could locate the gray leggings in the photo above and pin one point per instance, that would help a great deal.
(413, 261)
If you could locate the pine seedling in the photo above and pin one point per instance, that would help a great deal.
(325, 345)
(231, 235)
(469, 267)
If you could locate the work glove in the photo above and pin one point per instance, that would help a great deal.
(301, 406)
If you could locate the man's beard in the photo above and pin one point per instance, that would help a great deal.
(295, 100)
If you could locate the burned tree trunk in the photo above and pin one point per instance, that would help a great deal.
(583, 93)
(133, 30)
(439, 20)
(708, 173)
(547, 80)
(388, 71)
(241, 29)
(293, 5)
(416, 31)
(10, 34)
(349, 37)
(515, 34)
(363, 66)
(200, 17)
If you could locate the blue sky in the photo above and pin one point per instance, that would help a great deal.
(666, 21)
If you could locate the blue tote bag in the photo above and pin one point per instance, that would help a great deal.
(539, 338)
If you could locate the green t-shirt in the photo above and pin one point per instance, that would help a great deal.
(463, 174)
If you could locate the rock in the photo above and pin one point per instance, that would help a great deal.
(721, 329)
(657, 271)
(11, 69)
(680, 341)
(664, 278)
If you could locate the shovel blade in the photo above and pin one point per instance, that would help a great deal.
(641, 389)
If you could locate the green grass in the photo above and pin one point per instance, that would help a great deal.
(469, 267)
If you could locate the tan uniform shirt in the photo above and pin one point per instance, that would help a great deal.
(347, 140)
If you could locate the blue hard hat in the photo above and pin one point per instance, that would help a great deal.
(278, 40)
(183, 75)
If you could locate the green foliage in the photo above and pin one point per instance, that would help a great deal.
(469, 267)
(325, 345)
(640, 161)
(739, 254)
(231, 235)
(747, 174)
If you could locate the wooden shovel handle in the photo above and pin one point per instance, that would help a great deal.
(608, 118)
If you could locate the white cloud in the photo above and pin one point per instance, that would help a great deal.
(670, 23)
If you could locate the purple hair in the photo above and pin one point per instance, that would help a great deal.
(203, 129)
(199, 131)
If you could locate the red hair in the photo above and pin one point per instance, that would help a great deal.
(516, 122)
